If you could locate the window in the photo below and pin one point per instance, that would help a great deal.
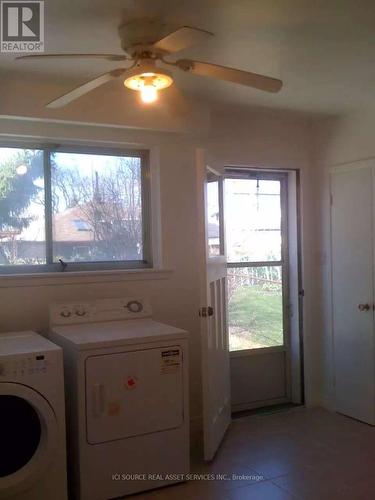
(81, 225)
(73, 209)
(257, 261)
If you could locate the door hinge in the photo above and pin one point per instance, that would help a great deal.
(205, 312)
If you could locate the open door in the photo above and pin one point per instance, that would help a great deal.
(213, 311)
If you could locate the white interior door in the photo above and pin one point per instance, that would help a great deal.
(213, 312)
(352, 281)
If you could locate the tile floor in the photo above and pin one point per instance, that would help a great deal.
(303, 454)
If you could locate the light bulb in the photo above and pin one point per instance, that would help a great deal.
(149, 94)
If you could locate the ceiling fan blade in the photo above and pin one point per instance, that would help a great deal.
(109, 57)
(261, 82)
(85, 88)
(182, 39)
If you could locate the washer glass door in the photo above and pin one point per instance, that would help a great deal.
(28, 436)
(20, 433)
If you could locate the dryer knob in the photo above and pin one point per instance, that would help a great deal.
(65, 313)
(134, 306)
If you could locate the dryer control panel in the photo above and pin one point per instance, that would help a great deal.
(69, 313)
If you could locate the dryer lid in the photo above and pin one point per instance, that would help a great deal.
(117, 333)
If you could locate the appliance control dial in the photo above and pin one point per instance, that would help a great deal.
(81, 311)
(65, 313)
(134, 306)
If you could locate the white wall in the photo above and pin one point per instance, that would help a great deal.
(264, 139)
(174, 299)
(273, 139)
(338, 140)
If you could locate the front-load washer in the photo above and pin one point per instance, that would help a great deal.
(32, 418)
(127, 397)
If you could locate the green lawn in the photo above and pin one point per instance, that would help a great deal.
(255, 318)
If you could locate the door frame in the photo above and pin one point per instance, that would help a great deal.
(284, 176)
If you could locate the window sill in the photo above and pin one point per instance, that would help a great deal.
(74, 277)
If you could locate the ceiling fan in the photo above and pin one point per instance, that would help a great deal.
(145, 44)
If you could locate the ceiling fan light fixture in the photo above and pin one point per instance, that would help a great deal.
(148, 81)
(146, 42)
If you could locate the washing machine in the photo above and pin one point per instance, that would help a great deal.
(127, 397)
(32, 418)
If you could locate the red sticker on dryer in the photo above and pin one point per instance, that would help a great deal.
(130, 382)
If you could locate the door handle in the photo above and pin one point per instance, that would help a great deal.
(364, 307)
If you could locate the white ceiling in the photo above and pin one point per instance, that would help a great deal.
(323, 50)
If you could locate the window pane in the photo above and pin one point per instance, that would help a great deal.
(255, 307)
(253, 214)
(97, 207)
(22, 225)
(213, 218)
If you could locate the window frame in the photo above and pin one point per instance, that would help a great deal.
(55, 267)
(213, 176)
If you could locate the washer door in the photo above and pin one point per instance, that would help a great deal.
(28, 437)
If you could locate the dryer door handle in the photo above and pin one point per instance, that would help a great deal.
(98, 400)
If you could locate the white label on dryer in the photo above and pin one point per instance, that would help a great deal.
(170, 361)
